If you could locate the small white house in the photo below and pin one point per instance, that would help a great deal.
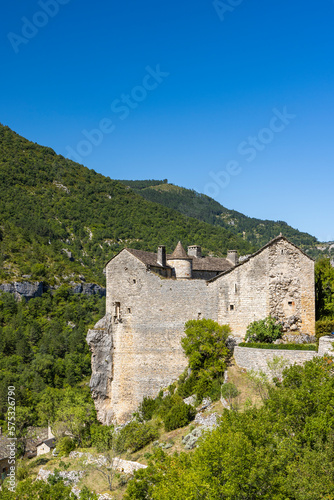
(46, 446)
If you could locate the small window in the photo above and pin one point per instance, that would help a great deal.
(236, 288)
(282, 252)
(199, 315)
(117, 310)
(291, 303)
(231, 307)
(129, 310)
(134, 281)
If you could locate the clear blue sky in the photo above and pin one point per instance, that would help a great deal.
(189, 91)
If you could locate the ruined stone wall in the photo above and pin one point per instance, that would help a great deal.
(243, 294)
(147, 314)
(291, 288)
(278, 281)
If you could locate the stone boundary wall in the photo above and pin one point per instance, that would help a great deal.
(255, 359)
(251, 358)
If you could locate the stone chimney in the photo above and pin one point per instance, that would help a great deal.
(161, 258)
(50, 435)
(195, 251)
(232, 256)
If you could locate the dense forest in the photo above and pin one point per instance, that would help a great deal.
(43, 346)
(202, 207)
(61, 222)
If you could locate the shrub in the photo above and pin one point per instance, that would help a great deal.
(179, 416)
(203, 386)
(187, 387)
(264, 330)
(324, 327)
(101, 437)
(147, 408)
(205, 346)
(64, 446)
(135, 436)
(229, 391)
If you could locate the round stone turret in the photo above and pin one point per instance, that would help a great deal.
(181, 262)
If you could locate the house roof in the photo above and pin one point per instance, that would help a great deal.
(179, 253)
(270, 243)
(51, 443)
(198, 264)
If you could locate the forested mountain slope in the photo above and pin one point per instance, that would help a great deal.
(188, 202)
(60, 221)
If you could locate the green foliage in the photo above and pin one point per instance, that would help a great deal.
(179, 416)
(147, 408)
(40, 353)
(101, 436)
(205, 346)
(29, 489)
(264, 330)
(188, 202)
(229, 391)
(324, 327)
(324, 289)
(281, 450)
(135, 436)
(64, 446)
(282, 347)
(49, 203)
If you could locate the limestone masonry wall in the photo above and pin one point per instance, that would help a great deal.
(136, 347)
(251, 358)
(148, 314)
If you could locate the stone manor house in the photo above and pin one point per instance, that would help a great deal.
(136, 347)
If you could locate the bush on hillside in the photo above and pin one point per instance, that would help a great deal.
(179, 416)
(64, 446)
(264, 330)
(135, 436)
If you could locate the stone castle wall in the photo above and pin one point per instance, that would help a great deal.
(278, 281)
(136, 348)
(148, 313)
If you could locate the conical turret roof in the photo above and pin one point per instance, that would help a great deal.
(179, 253)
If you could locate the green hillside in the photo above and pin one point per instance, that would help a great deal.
(188, 202)
(51, 206)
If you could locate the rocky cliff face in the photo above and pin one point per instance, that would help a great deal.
(30, 290)
(99, 340)
(24, 289)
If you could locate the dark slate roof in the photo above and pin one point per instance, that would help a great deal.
(271, 242)
(179, 253)
(148, 258)
(211, 264)
(51, 443)
(199, 264)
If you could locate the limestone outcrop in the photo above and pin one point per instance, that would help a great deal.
(99, 340)
(25, 289)
(32, 289)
